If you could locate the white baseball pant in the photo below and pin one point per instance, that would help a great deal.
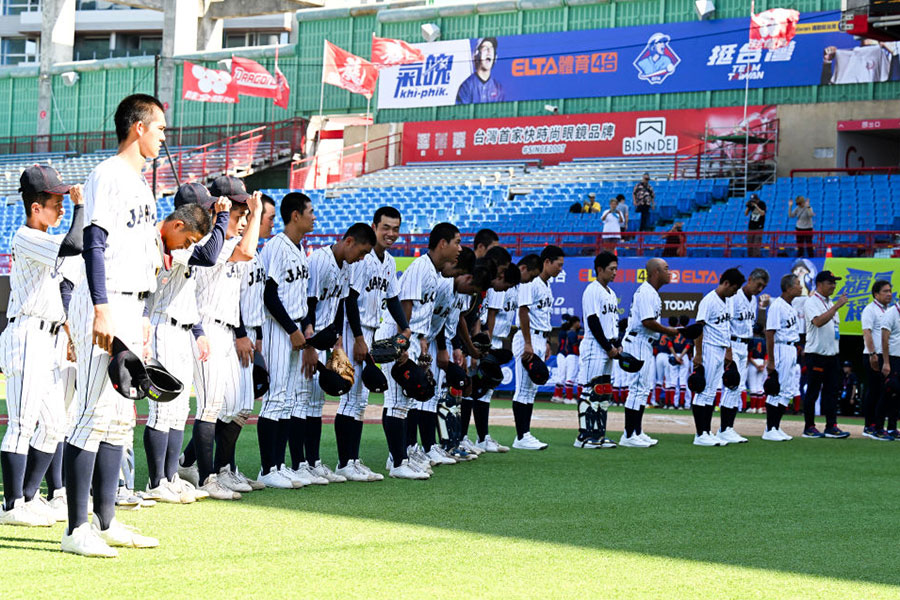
(103, 415)
(66, 371)
(755, 379)
(33, 393)
(713, 367)
(572, 367)
(732, 398)
(641, 384)
(662, 362)
(354, 403)
(594, 363)
(284, 372)
(496, 342)
(310, 397)
(217, 379)
(676, 375)
(785, 363)
(246, 391)
(396, 403)
(171, 346)
(526, 389)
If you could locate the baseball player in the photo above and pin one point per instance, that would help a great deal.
(121, 257)
(329, 284)
(284, 334)
(562, 352)
(35, 313)
(418, 286)
(677, 368)
(532, 339)
(714, 354)
(782, 337)
(643, 327)
(872, 315)
(756, 374)
(660, 362)
(217, 378)
(600, 307)
(890, 353)
(502, 307)
(742, 307)
(373, 288)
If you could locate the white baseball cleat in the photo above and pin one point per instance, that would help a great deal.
(123, 536)
(488, 444)
(437, 456)
(351, 473)
(298, 477)
(165, 492)
(405, 471)
(188, 492)
(254, 485)
(784, 435)
(85, 541)
(372, 475)
(732, 436)
(24, 515)
(40, 505)
(705, 439)
(190, 474)
(772, 435)
(217, 491)
(418, 457)
(60, 505)
(467, 445)
(723, 441)
(274, 479)
(632, 441)
(528, 442)
(322, 470)
(648, 439)
(228, 479)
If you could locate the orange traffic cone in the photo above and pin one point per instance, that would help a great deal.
(828, 252)
(417, 253)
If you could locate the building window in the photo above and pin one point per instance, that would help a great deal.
(91, 47)
(255, 38)
(15, 7)
(17, 51)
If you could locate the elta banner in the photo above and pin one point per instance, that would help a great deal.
(555, 138)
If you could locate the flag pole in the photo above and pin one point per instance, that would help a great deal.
(366, 142)
(746, 102)
(322, 90)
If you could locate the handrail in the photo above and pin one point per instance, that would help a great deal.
(849, 170)
(338, 155)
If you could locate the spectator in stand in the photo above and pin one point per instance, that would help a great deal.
(575, 209)
(756, 208)
(675, 241)
(622, 207)
(849, 388)
(612, 226)
(644, 200)
(591, 205)
(804, 214)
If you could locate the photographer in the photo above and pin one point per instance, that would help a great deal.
(804, 214)
(756, 208)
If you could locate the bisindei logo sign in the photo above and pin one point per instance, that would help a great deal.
(650, 138)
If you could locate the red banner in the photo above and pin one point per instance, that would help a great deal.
(387, 52)
(557, 138)
(283, 90)
(207, 85)
(348, 71)
(773, 29)
(252, 79)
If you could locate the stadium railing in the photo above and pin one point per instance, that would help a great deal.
(321, 170)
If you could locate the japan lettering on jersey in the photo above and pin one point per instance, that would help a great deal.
(601, 301)
(716, 319)
(461, 303)
(419, 284)
(175, 295)
(253, 284)
(118, 200)
(329, 283)
(33, 279)
(443, 305)
(782, 318)
(506, 304)
(538, 297)
(743, 314)
(374, 280)
(219, 286)
(285, 264)
(646, 304)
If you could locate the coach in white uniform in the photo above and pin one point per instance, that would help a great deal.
(600, 307)
(121, 257)
(782, 337)
(643, 328)
(872, 315)
(533, 339)
(713, 353)
(823, 369)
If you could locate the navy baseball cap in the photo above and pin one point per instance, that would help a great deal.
(827, 276)
(42, 178)
(194, 193)
(229, 186)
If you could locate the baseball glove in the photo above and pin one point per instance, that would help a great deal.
(340, 364)
(425, 363)
(482, 342)
(388, 349)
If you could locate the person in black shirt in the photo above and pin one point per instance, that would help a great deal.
(756, 208)
(849, 390)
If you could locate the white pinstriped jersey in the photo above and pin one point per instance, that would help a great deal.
(717, 320)
(444, 299)
(461, 303)
(374, 280)
(782, 317)
(118, 199)
(253, 283)
(418, 284)
(285, 264)
(33, 280)
(646, 304)
(506, 304)
(743, 315)
(176, 288)
(601, 301)
(219, 286)
(71, 268)
(538, 297)
(329, 283)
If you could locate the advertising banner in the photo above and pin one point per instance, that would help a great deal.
(555, 138)
(673, 57)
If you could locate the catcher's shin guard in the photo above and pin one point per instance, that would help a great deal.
(449, 427)
(593, 405)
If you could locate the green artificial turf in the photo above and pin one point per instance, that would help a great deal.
(805, 519)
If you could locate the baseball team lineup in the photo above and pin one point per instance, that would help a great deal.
(126, 306)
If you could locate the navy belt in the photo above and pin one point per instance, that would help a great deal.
(223, 323)
(735, 338)
(51, 326)
(185, 326)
